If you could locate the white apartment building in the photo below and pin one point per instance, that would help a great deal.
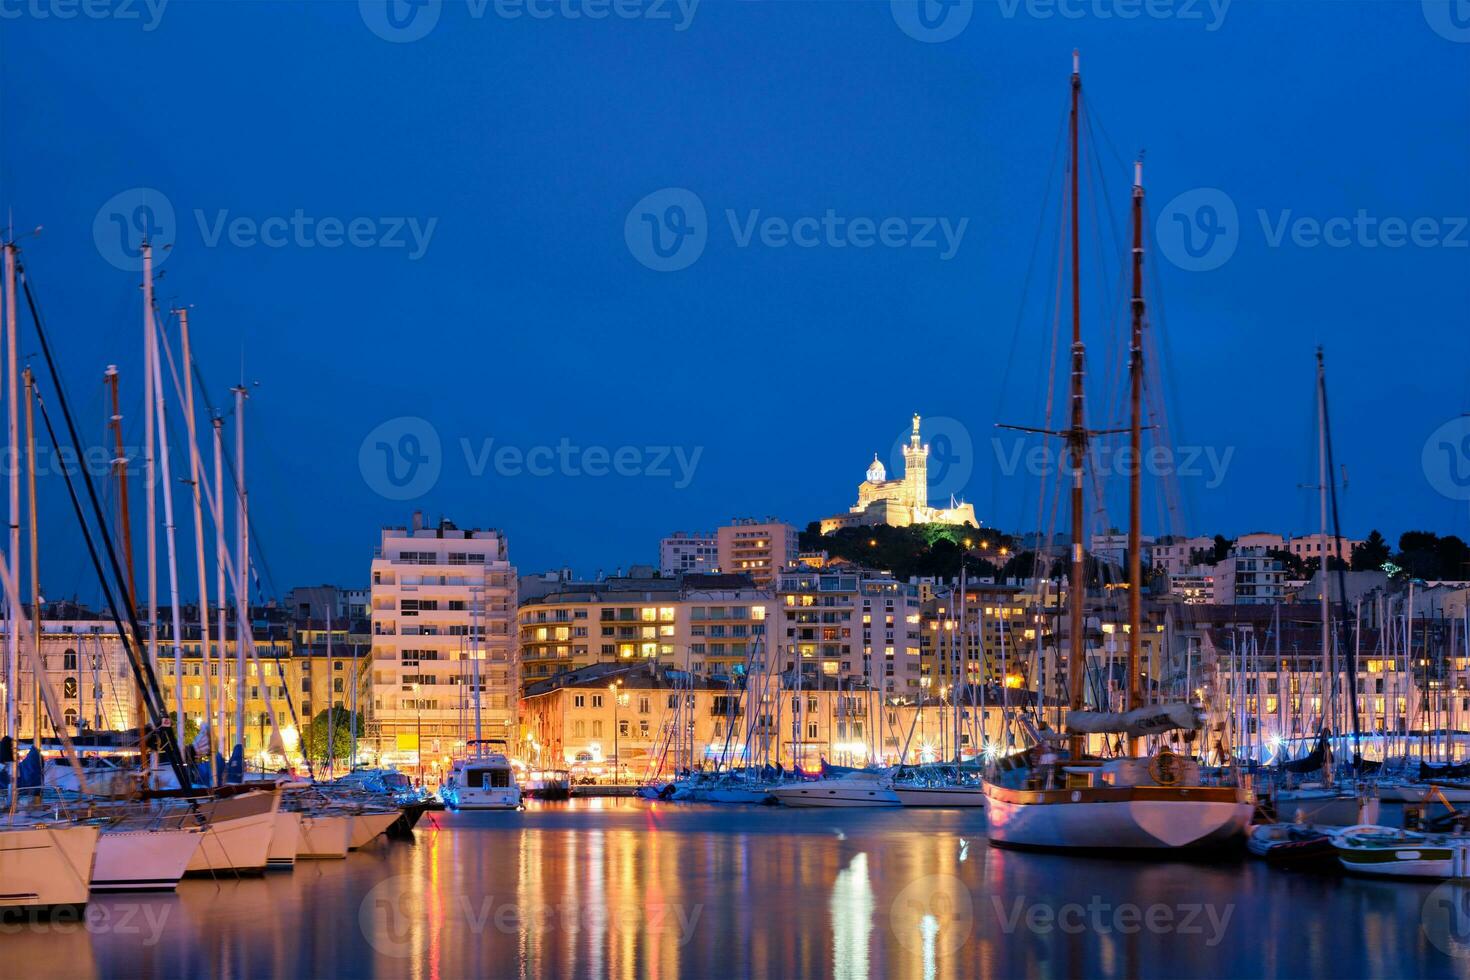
(685, 551)
(1248, 576)
(1172, 553)
(1113, 547)
(442, 598)
(849, 623)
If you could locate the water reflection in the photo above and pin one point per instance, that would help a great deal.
(628, 889)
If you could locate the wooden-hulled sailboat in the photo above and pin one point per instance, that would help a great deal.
(1133, 801)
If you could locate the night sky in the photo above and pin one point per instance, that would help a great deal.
(476, 249)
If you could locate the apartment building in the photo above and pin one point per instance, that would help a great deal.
(1172, 553)
(443, 610)
(757, 548)
(686, 551)
(851, 623)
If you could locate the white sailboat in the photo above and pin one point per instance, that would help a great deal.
(144, 859)
(45, 866)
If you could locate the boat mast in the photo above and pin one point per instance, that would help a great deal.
(1135, 443)
(242, 570)
(1329, 674)
(218, 424)
(169, 535)
(195, 475)
(12, 633)
(36, 665)
(1077, 433)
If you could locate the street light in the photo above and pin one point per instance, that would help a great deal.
(418, 709)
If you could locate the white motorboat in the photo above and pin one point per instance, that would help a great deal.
(487, 783)
(324, 836)
(45, 866)
(950, 795)
(853, 789)
(285, 839)
(144, 859)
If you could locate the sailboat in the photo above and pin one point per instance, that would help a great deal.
(1132, 801)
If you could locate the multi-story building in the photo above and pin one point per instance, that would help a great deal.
(86, 669)
(1174, 554)
(633, 722)
(686, 551)
(756, 548)
(1249, 576)
(851, 623)
(703, 623)
(993, 642)
(1316, 545)
(1112, 546)
(443, 610)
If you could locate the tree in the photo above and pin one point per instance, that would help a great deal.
(314, 740)
(1419, 554)
(1372, 554)
(1293, 564)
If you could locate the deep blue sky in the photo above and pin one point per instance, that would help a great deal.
(527, 318)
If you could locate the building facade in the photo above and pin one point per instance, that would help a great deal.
(686, 551)
(756, 548)
(443, 611)
(848, 623)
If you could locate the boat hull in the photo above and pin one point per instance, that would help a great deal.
(143, 860)
(43, 867)
(1112, 820)
(489, 798)
(950, 796)
(285, 839)
(366, 827)
(237, 835)
(324, 837)
(821, 793)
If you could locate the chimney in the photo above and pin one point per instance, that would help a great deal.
(418, 520)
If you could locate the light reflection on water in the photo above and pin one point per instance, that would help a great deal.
(627, 889)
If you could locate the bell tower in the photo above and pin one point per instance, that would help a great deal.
(916, 470)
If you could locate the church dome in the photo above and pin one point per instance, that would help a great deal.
(876, 472)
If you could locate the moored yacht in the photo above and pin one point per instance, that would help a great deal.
(487, 783)
(45, 866)
(864, 788)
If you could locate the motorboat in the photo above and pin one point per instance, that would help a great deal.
(485, 783)
(863, 788)
(1390, 852)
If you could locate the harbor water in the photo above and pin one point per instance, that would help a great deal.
(628, 888)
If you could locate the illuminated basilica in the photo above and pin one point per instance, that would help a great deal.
(900, 502)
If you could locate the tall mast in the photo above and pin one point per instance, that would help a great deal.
(1135, 443)
(150, 478)
(219, 583)
(12, 632)
(36, 666)
(1329, 674)
(1077, 433)
(242, 567)
(166, 478)
(195, 476)
(125, 524)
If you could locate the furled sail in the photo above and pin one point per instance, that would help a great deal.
(1148, 720)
